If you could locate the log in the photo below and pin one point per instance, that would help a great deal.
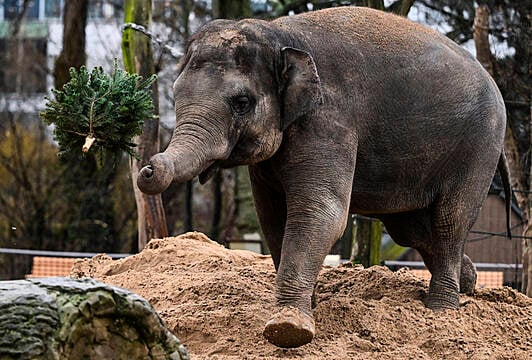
(65, 318)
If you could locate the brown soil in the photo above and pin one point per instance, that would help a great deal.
(217, 302)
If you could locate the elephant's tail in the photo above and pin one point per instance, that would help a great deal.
(504, 171)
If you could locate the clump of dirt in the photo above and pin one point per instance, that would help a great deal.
(216, 301)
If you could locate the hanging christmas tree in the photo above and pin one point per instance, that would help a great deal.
(97, 111)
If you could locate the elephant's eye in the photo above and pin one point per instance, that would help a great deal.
(241, 104)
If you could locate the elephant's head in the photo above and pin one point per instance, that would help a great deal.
(239, 87)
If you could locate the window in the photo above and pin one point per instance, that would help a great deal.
(37, 9)
(52, 8)
(13, 9)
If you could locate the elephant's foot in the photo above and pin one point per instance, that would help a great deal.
(290, 328)
(442, 297)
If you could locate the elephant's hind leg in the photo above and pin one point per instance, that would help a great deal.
(452, 271)
(414, 229)
(468, 276)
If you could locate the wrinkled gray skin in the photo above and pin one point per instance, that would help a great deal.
(337, 111)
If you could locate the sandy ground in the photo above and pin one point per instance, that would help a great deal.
(217, 301)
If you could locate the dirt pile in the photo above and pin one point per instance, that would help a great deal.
(216, 302)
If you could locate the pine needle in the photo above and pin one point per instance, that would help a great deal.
(96, 111)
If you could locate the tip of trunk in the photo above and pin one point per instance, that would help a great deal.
(155, 177)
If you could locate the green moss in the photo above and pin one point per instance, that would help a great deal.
(134, 44)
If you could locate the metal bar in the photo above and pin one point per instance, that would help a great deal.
(503, 234)
(60, 253)
(421, 264)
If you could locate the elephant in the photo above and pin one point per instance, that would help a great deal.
(338, 111)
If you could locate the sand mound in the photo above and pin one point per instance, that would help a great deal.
(216, 302)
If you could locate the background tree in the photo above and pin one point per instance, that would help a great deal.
(138, 58)
(73, 51)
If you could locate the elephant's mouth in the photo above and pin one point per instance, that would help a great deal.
(208, 173)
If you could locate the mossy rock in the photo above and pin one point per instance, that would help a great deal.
(65, 318)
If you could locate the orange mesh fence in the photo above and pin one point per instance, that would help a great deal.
(51, 266)
(489, 275)
(485, 279)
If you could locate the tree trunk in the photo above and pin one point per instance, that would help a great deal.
(73, 52)
(518, 176)
(480, 36)
(527, 260)
(232, 209)
(405, 7)
(87, 182)
(376, 4)
(231, 9)
(138, 58)
(65, 318)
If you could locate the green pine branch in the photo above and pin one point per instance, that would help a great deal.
(96, 111)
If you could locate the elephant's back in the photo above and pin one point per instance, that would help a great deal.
(376, 55)
(353, 24)
(366, 34)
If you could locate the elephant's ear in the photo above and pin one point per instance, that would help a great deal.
(300, 85)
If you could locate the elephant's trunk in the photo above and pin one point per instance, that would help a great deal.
(188, 155)
(155, 177)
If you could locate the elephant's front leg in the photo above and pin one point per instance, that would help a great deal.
(316, 216)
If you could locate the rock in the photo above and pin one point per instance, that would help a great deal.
(65, 318)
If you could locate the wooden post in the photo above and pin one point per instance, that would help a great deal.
(368, 242)
(138, 58)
